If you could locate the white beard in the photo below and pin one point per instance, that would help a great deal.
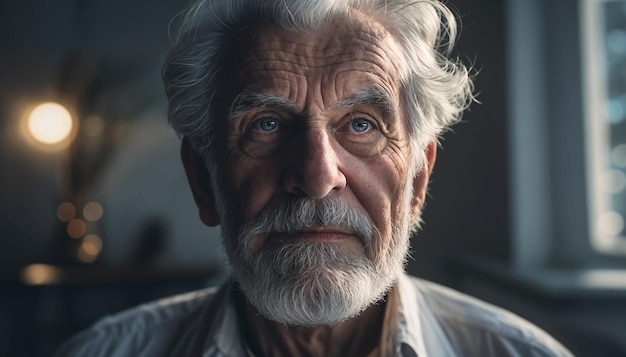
(312, 284)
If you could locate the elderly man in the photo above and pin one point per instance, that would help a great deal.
(309, 134)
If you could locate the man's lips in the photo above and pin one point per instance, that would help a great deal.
(320, 234)
(330, 230)
(323, 234)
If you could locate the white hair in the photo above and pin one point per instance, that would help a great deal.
(435, 89)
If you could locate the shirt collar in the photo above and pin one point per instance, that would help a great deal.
(410, 326)
(224, 338)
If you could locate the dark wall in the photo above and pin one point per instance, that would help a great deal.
(468, 208)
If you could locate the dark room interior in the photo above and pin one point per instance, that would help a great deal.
(104, 220)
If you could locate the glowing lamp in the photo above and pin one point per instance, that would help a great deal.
(50, 123)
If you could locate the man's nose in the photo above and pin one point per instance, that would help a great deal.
(314, 170)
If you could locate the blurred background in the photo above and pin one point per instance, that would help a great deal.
(527, 202)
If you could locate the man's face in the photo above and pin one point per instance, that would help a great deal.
(314, 138)
(316, 129)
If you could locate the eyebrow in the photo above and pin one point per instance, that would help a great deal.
(247, 100)
(375, 97)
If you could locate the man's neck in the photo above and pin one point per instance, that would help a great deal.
(359, 336)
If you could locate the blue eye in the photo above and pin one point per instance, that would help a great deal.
(266, 125)
(360, 125)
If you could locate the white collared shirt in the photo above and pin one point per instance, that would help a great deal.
(434, 321)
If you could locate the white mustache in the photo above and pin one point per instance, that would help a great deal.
(289, 217)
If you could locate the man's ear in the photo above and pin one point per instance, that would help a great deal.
(200, 183)
(420, 182)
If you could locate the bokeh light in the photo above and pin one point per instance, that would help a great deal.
(92, 244)
(90, 248)
(618, 155)
(76, 228)
(93, 211)
(66, 212)
(39, 274)
(50, 123)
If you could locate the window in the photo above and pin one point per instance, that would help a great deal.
(604, 50)
(567, 129)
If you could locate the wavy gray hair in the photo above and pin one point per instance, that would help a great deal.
(436, 89)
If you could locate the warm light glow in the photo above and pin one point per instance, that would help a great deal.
(92, 243)
(39, 274)
(93, 211)
(76, 228)
(66, 211)
(90, 248)
(50, 123)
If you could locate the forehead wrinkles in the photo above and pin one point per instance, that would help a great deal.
(361, 45)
